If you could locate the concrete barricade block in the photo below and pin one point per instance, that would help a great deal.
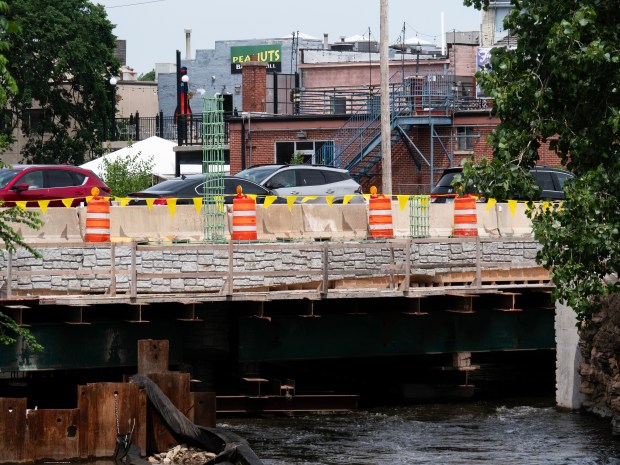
(401, 220)
(60, 224)
(143, 223)
(442, 219)
(512, 224)
(336, 221)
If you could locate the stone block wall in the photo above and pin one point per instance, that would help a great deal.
(204, 268)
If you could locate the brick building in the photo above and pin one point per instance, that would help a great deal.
(438, 118)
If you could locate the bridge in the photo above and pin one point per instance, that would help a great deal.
(282, 307)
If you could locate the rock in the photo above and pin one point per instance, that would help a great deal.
(599, 369)
(183, 455)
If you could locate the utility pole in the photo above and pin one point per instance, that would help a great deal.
(386, 148)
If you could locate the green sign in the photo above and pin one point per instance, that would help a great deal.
(270, 54)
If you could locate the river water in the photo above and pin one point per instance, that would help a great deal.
(517, 432)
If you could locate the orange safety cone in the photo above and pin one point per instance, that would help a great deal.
(380, 215)
(97, 218)
(465, 216)
(243, 218)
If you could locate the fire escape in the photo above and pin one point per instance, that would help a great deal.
(423, 101)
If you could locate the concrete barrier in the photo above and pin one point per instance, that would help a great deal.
(157, 223)
(277, 222)
(61, 224)
(312, 221)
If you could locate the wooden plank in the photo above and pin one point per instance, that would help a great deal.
(103, 403)
(176, 387)
(13, 429)
(153, 356)
(203, 409)
(53, 434)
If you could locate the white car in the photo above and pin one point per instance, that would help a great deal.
(303, 180)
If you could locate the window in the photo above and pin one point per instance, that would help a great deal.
(313, 151)
(562, 178)
(310, 177)
(544, 180)
(465, 138)
(32, 118)
(282, 179)
(59, 178)
(34, 179)
(248, 187)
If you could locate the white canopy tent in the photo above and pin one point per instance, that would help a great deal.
(159, 150)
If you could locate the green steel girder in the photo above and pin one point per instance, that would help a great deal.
(80, 346)
(288, 337)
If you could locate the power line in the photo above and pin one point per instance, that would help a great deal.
(134, 4)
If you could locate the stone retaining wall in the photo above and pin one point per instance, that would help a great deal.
(94, 268)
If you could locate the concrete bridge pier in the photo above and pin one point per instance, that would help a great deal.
(568, 359)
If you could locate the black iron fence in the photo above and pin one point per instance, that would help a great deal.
(413, 95)
(183, 129)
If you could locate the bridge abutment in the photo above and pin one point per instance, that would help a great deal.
(568, 358)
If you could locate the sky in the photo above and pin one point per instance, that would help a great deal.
(155, 29)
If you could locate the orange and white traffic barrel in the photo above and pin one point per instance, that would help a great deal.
(243, 218)
(465, 216)
(97, 219)
(379, 215)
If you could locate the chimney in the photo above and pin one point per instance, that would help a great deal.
(325, 41)
(254, 83)
(188, 44)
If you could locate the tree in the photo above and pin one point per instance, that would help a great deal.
(127, 175)
(9, 329)
(150, 76)
(561, 85)
(61, 59)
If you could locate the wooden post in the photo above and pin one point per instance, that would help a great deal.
(407, 266)
(325, 285)
(99, 405)
(204, 408)
(231, 268)
(53, 434)
(175, 386)
(152, 356)
(134, 272)
(13, 429)
(9, 276)
(113, 268)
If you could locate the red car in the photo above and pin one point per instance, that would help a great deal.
(31, 183)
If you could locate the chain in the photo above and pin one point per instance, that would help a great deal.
(118, 430)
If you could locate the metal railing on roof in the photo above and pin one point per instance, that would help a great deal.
(136, 128)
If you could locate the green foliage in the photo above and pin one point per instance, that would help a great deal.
(61, 59)
(127, 175)
(561, 85)
(10, 331)
(581, 241)
(494, 179)
(16, 215)
(297, 159)
(150, 76)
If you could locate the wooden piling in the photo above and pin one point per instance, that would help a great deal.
(203, 409)
(99, 404)
(13, 429)
(152, 356)
(175, 386)
(53, 434)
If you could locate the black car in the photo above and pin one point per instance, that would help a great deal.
(186, 188)
(550, 182)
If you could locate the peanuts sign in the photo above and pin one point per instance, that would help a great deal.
(270, 54)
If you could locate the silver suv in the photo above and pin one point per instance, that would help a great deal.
(303, 180)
